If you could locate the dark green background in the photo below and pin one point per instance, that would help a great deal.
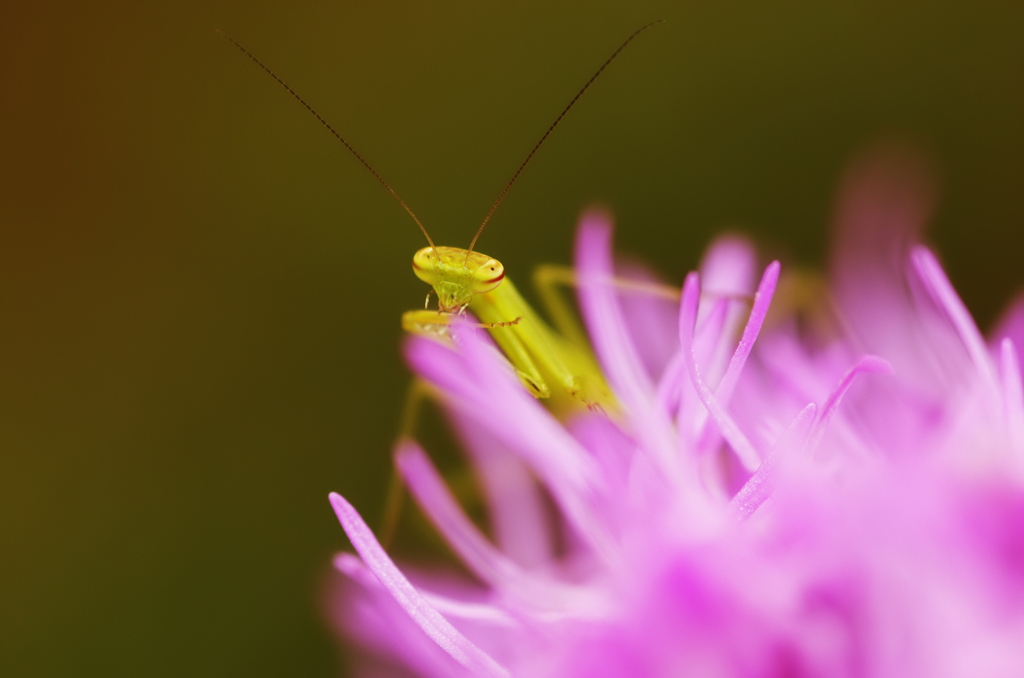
(200, 290)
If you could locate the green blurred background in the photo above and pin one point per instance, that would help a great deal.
(200, 290)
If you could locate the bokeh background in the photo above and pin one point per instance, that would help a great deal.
(200, 290)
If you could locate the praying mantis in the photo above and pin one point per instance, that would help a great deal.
(550, 365)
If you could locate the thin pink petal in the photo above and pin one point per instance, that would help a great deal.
(516, 509)
(1013, 393)
(711, 327)
(949, 301)
(474, 373)
(462, 535)
(758, 312)
(761, 485)
(651, 318)
(1011, 323)
(614, 347)
(351, 566)
(739, 443)
(441, 365)
(600, 307)
(371, 615)
(406, 595)
(670, 386)
(476, 613)
(727, 279)
(868, 364)
(884, 203)
(728, 266)
(502, 406)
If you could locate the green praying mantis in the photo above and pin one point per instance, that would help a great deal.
(554, 365)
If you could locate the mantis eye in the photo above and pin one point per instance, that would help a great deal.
(488, 276)
(424, 265)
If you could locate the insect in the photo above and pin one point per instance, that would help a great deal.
(548, 363)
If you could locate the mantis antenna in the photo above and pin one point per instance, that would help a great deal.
(547, 133)
(332, 131)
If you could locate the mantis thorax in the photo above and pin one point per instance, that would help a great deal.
(457, 275)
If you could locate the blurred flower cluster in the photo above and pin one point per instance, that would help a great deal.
(801, 477)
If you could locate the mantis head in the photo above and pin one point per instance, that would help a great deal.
(457, 275)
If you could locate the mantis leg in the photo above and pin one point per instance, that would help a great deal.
(547, 278)
(463, 483)
(419, 391)
(435, 323)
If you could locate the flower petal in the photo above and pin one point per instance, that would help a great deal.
(758, 312)
(615, 349)
(739, 443)
(868, 364)
(1013, 395)
(761, 485)
(949, 301)
(428, 619)
(601, 311)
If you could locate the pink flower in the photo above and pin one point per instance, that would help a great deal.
(788, 488)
